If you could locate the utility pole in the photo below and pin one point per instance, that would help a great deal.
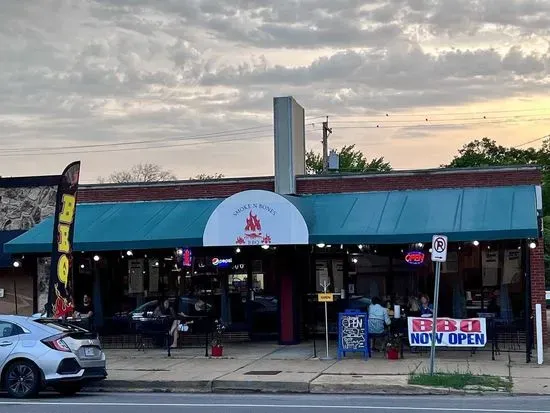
(326, 132)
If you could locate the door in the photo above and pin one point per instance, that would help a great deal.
(9, 337)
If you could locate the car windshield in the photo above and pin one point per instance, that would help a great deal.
(149, 306)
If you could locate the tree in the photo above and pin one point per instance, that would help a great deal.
(486, 152)
(546, 235)
(207, 177)
(143, 172)
(351, 160)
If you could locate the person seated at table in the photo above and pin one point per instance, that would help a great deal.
(426, 309)
(86, 309)
(85, 312)
(378, 320)
(164, 310)
(413, 307)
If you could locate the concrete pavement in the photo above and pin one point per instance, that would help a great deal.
(265, 367)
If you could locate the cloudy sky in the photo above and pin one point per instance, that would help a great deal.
(192, 81)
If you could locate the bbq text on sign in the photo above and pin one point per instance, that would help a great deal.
(450, 332)
(59, 297)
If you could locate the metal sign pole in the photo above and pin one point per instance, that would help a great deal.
(439, 255)
(325, 285)
(436, 301)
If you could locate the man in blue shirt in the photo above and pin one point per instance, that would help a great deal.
(378, 317)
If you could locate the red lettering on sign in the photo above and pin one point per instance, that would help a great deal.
(422, 324)
(470, 326)
(446, 325)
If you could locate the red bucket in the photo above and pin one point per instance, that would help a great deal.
(217, 351)
(393, 354)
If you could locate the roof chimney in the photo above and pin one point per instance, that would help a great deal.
(290, 143)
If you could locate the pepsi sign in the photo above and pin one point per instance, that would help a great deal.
(222, 262)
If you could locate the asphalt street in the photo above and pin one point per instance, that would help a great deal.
(217, 403)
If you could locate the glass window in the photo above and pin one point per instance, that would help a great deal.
(9, 329)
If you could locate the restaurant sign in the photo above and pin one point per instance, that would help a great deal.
(61, 267)
(414, 257)
(255, 218)
(450, 332)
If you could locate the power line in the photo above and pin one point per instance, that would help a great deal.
(241, 131)
(109, 150)
(471, 113)
(532, 141)
(428, 119)
(440, 125)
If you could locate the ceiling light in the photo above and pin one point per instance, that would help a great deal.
(476, 243)
(354, 260)
(265, 247)
(237, 250)
(321, 245)
(129, 253)
(17, 264)
(532, 245)
(96, 258)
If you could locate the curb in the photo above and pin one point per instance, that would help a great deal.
(275, 387)
(195, 386)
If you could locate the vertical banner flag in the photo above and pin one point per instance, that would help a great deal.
(59, 297)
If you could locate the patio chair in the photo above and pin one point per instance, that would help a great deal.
(377, 329)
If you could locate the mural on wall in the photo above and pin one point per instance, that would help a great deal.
(23, 208)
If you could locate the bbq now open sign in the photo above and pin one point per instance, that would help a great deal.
(450, 332)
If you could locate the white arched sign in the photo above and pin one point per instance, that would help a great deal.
(255, 218)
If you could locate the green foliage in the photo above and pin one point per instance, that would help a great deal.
(486, 152)
(461, 381)
(546, 226)
(351, 160)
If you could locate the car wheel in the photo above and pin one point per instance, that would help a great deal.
(22, 379)
(68, 389)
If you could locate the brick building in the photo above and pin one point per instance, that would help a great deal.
(255, 251)
(427, 186)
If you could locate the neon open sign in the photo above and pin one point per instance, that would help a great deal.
(414, 257)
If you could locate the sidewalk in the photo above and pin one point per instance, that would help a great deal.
(267, 367)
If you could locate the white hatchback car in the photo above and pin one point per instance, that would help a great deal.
(36, 353)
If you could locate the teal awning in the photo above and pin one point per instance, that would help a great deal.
(388, 217)
(127, 225)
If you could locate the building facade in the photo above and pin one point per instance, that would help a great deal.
(258, 258)
(24, 203)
